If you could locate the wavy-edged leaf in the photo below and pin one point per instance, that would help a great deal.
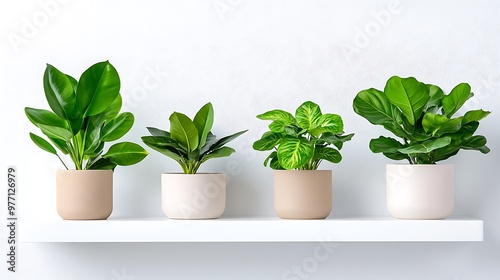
(409, 95)
(43, 144)
(277, 115)
(456, 99)
(474, 116)
(294, 153)
(117, 127)
(385, 145)
(268, 141)
(125, 153)
(426, 147)
(328, 123)
(433, 122)
(436, 95)
(373, 105)
(307, 115)
(183, 130)
(204, 120)
(477, 143)
(328, 154)
(97, 89)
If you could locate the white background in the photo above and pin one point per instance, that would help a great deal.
(247, 57)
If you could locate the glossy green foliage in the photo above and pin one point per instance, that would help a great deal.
(302, 141)
(190, 142)
(85, 115)
(422, 117)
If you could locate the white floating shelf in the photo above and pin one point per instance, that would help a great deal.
(254, 229)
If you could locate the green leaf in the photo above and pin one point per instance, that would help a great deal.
(183, 130)
(43, 144)
(328, 123)
(117, 127)
(204, 121)
(56, 132)
(456, 99)
(450, 127)
(168, 151)
(59, 93)
(102, 164)
(336, 140)
(477, 142)
(328, 154)
(45, 117)
(433, 122)
(277, 115)
(277, 126)
(474, 116)
(445, 152)
(271, 156)
(307, 115)
(275, 164)
(426, 147)
(211, 140)
(409, 95)
(218, 153)
(436, 95)
(395, 156)
(92, 139)
(268, 141)
(158, 132)
(385, 145)
(224, 140)
(294, 153)
(125, 153)
(374, 106)
(98, 88)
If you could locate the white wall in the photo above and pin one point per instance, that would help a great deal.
(247, 57)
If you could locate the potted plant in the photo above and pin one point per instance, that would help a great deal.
(192, 195)
(299, 144)
(85, 115)
(424, 120)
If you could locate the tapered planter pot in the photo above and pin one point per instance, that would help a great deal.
(303, 194)
(193, 196)
(420, 191)
(84, 194)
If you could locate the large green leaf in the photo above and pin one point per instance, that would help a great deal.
(374, 106)
(445, 152)
(477, 142)
(56, 132)
(224, 140)
(328, 123)
(204, 121)
(59, 93)
(125, 153)
(474, 116)
(433, 122)
(268, 141)
(456, 99)
(117, 127)
(426, 147)
(45, 117)
(113, 110)
(102, 164)
(436, 95)
(385, 145)
(277, 115)
(211, 140)
(183, 130)
(158, 132)
(43, 144)
(98, 88)
(336, 140)
(307, 115)
(166, 150)
(218, 153)
(409, 95)
(294, 153)
(328, 154)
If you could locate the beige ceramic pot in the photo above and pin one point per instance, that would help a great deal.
(84, 194)
(420, 191)
(303, 194)
(193, 196)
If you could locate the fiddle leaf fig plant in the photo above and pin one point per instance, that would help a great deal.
(302, 141)
(190, 142)
(85, 115)
(423, 119)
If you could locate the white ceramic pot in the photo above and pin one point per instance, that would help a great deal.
(303, 194)
(84, 194)
(420, 191)
(193, 196)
